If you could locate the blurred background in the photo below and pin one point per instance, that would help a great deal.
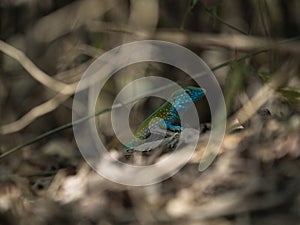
(251, 46)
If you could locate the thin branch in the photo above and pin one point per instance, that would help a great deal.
(213, 15)
(52, 132)
(33, 114)
(228, 41)
(206, 40)
(46, 107)
(35, 72)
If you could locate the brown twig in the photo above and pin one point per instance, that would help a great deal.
(230, 41)
(35, 72)
(33, 114)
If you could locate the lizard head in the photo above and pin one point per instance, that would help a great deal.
(183, 98)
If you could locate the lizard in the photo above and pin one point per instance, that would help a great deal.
(166, 116)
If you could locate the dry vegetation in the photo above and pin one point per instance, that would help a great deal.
(253, 49)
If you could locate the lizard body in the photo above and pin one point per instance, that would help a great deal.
(166, 116)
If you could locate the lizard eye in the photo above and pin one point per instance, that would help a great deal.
(188, 91)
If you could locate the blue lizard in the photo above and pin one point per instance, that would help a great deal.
(167, 116)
